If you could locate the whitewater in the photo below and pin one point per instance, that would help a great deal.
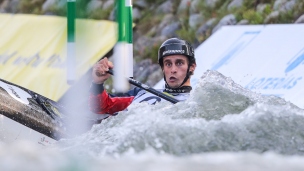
(222, 126)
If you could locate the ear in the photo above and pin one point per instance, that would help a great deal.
(192, 67)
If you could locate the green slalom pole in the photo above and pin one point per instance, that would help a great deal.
(129, 31)
(123, 51)
(71, 14)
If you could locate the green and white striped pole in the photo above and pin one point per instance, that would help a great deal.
(123, 51)
(70, 62)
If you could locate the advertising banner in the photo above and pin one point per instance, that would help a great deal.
(265, 59)
(33, 50)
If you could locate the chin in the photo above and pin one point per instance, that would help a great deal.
(173, 86)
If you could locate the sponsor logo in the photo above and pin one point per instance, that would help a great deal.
(173, 52)
(151, 100)
(275, 83)
(34, 60)
(44, 141)
(245, 39)
(144, 96)
(16, 92)
(13, 91)
(295, 62)
(145, 86)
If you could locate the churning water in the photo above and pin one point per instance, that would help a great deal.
(222, 126)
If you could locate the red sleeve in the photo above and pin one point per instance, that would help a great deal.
(104, 104)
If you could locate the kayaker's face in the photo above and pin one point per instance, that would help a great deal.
(175, 70)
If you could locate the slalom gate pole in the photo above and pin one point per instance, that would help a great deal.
(123, 50)
(149, 89)
(71, 14)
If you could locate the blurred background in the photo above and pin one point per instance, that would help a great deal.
(157, 20)
(254, 47)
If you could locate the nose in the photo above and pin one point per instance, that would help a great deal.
(173, 69)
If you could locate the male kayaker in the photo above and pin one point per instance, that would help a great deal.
(176, 58)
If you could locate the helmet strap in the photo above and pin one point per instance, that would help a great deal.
(183, 89)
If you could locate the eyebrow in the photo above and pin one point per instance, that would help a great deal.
(177, 60)
(180, 60)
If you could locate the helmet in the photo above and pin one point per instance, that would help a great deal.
(175, 46)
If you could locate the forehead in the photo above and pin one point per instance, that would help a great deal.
(174, 58)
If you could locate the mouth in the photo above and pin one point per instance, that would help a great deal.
(172, 79)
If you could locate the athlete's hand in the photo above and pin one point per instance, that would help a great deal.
(100, 69)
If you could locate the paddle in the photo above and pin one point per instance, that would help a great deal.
(149, 89)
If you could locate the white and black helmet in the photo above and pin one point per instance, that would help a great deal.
(175, 46)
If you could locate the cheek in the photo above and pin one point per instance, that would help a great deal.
(165, 70)
(184, 68)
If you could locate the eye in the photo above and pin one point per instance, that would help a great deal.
(168, 64)
(179, 63)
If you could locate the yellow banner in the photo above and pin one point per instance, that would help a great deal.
(33, 50)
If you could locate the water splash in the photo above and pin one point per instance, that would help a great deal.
(219, 116)
(24, 156)
(222, 126)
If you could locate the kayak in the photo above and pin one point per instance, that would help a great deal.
(26, 115)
